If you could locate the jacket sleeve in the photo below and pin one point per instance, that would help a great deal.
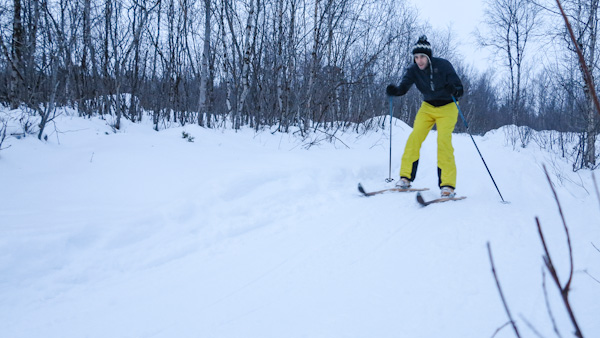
(454, 81)
(407, 81)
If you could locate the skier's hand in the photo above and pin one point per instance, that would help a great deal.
(392, 90)
(456, 91)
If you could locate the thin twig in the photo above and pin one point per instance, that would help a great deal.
(332, 136)
(547, 259)
(500, 329)
(592, 277)
(512, 322)
(531, 327)
(548, 9)
(564, 291)
(550, 314)
(562, 216)
(596, 186)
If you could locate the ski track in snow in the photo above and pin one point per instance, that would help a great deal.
(243, 234)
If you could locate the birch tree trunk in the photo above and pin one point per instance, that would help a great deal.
(246, 59)
(157, 106)
(313, 68)
(204, 105)
(227, 55)
(89, 82)
(137, 26)
(590, 153)
(279, 67)
(291, 60)
(17, 51)
(106, 106)
(117, 68)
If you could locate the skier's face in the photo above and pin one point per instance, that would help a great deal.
(422, 61)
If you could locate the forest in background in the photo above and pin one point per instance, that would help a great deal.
(292, 65)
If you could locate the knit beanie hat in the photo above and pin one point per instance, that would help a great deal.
(422, 47)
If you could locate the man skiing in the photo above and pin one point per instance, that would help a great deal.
(436, 79)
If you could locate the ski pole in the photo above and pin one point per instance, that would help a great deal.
(476, 147)
(390, 179)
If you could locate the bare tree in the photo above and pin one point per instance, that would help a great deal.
(567, 103)
(585, 30)
(205, 96)
(511, 25)
(23, 47)
(231, 49)
(17, 55)
(314, 64)
(246, 59)
(88, 60)
(290, 63)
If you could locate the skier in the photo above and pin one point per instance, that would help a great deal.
(436, 79)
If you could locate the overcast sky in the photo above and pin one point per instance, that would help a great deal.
(463, 17)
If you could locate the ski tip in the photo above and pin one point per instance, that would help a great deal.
(420, 199)
(361, 189)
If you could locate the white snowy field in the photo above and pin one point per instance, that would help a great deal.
(241, 234)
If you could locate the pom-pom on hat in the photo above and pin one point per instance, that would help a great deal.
(422, 47)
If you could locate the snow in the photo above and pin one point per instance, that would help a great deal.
(242, 234)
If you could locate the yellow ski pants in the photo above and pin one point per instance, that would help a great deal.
(445, 118)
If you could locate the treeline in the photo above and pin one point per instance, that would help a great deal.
(306, 64)
(284, 63)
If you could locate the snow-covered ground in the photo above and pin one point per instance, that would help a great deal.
(241, 234)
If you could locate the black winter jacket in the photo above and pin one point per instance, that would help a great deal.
(436, 90)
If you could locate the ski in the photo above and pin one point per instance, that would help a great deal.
(437, 200)
(365, 193)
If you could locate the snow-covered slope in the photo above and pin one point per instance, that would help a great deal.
(239, 234)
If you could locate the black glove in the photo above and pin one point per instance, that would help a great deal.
(456, 91)
(392, 90)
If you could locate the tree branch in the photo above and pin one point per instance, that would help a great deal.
(548, 304)
(586, 72)
(564, 291)
(512, 322)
